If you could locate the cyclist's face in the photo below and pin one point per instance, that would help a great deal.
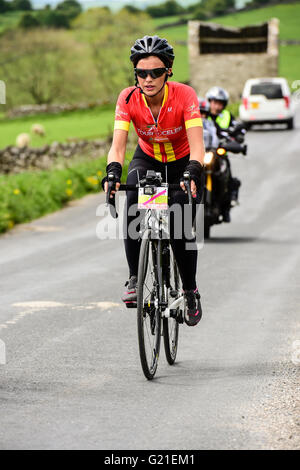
(151, 85)
(216, 107)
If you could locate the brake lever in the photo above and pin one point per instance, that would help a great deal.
(111, 201)
(187, 184)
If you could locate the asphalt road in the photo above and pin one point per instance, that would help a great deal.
(73, 379)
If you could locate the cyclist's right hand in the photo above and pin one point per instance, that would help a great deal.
(112, 191)
(113, 175)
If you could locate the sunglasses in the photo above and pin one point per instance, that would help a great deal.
(154, 73)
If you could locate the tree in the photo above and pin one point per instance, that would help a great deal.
(93, 19)
(28, 21)
(70, 8)
(53, 19)
(131, 9)
(200, 13)
(209, 8)
(21, 5)
(173, 8)
(46, 66)
(111, 36)
(4, 6)
(169, 8)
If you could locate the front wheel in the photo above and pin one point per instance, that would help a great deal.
(148, 314)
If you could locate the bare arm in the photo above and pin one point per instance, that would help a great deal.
(118, 147)
(196, 143)
(117, 151)
(197, 150)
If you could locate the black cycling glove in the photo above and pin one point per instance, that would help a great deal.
(116, 169)
(196, 172)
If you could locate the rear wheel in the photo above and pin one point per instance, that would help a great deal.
(171, 325)
(148, 314)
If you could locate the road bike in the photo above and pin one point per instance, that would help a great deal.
(161, 305)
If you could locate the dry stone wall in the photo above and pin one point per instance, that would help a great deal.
(15, 160)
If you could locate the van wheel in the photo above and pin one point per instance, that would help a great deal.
(290, 123)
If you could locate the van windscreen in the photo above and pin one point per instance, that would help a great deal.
(272, 91)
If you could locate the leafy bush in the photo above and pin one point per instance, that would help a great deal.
(169, 8)
(53, 19)
(28, 21)
(69, 8)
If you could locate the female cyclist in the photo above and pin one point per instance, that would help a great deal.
(167, 121)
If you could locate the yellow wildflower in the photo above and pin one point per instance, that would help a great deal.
(69, 192)
(16, 191)
(99, 173)
(69, 182)
(10, 224)
(92, 180)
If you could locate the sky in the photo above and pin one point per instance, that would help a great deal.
(113, 4)
(116, 4)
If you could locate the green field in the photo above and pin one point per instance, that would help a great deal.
(289, 29)
(90, 124)
(289, 16)
(9, 20)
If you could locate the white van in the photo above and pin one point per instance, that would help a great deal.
(267, 100)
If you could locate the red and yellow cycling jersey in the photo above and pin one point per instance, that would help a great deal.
(165, 140)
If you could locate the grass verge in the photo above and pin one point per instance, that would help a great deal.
(32, 194)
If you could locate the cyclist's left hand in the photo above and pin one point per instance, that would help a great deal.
(193, 188)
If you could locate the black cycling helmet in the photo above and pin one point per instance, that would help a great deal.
(219, 94)
(152, 45)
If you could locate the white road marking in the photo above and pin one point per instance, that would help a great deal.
(41, 305)
(105, 305)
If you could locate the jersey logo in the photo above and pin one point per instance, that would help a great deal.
(120, 113)
(193, 110)
(170, 109)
